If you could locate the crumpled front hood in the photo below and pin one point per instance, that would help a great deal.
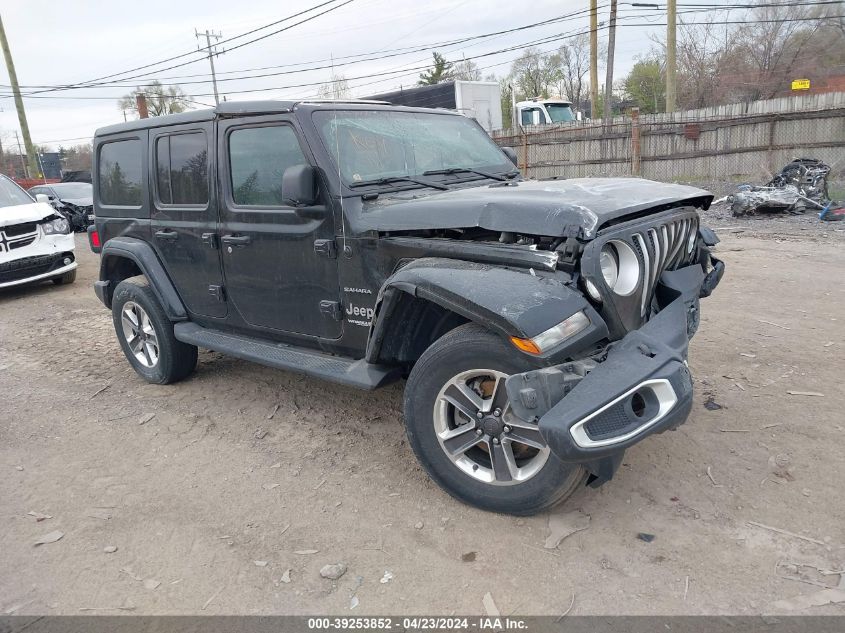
(25, 213)
(557, 208)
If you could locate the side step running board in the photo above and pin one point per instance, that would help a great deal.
(355, 373)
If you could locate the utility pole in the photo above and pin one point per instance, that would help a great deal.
(16, 89)
(20, 154)
(671, 68)
(594, 59)
(211, 53)
(611, 46)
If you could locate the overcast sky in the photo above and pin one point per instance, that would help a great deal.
(63, 42)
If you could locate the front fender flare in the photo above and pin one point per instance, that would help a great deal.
(145, 258)
(508, 301)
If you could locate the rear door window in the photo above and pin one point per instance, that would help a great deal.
(120, 173)
(182, 169)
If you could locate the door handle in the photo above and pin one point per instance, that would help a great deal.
(237, 240)
(167, 235)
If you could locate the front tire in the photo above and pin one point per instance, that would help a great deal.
(460, 427)
(146, 334)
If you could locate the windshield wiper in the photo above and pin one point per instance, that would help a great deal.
(465, 170)
(397, 179)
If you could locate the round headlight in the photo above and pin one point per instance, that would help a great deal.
(620, 267)
(61, 225)
(609, 262)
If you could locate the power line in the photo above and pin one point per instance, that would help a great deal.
(290, 17)
(334, 61)
(408, 50)
(408, 71)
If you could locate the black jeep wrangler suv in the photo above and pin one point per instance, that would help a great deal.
(542, 326)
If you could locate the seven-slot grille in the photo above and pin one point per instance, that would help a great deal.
(662, 247)
(17, 235)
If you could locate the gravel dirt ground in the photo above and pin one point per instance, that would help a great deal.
(227, 493)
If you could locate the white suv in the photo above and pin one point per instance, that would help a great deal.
(35, 242)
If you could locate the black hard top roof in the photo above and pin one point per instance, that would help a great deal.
(236, 108)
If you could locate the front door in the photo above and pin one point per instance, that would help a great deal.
(184, 216)
(275, 277)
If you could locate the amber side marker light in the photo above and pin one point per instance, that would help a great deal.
(526, 345)
(552, 337)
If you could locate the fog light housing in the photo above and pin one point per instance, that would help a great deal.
(67, 261)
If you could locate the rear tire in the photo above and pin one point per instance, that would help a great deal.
(500, 473)
(146, 334)
(67, 278)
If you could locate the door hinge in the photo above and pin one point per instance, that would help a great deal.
(210, 239)
(326, 248)
(217, 291)
(332, 309)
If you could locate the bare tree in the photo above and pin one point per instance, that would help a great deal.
(160, 99)
(466, 70)
(573, 64)
(337, 88)
(702, 50)
(770, 47)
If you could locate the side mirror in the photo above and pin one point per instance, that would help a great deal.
(535, 117)
(511, 154)
(42, 197)
(299, 186)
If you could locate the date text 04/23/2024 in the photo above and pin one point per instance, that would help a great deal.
(418, 623)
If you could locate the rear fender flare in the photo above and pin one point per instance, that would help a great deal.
(146, 260)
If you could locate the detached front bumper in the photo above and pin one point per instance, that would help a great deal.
(642, 387)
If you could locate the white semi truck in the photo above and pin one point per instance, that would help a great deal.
(545, 112)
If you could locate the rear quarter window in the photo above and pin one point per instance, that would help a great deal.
(120, 173)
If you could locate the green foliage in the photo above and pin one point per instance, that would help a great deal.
(645, 85)
(505, 90)
(533, 73)
(441, 71)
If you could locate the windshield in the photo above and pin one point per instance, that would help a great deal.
(72, 190)
(12, 195)
(560, 112)
(374, 144)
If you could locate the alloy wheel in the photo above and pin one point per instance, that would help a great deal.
(480, 434)
(140, 334)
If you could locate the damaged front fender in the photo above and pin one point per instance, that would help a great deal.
(509, 302)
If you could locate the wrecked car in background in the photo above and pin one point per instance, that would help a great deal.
(36, 243)
(799, 186)
(73, 200)
(542, 326)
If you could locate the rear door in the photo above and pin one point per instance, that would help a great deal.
(280, 268)
(184, 215)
